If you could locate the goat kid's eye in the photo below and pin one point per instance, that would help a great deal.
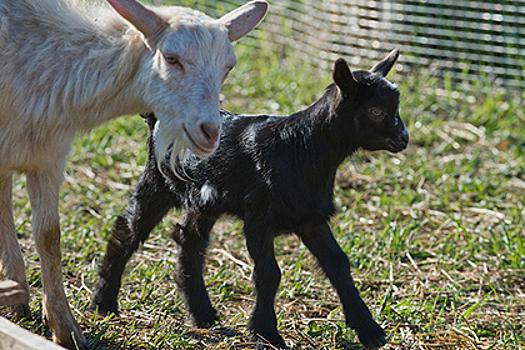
(376, 114)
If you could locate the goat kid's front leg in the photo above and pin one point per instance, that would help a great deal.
(150, 202)
(11, 259)
(192, 239)
(334, 262)
(267, 277)
(43, 188)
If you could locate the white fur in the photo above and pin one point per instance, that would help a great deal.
(67, 66)
(208, 193)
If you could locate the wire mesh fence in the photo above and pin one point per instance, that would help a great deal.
(464, 39)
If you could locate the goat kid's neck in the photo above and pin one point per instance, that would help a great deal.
(331, 129)
(315, 140)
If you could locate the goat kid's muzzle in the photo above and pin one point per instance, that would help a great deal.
(399, 143)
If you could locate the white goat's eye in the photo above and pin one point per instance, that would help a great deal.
(171, 59)
(376, 114)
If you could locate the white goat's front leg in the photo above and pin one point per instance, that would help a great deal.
(11, 259)
(43, 188)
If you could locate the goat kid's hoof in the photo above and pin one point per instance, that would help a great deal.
(104, 309)
(205, 318)
(206, 324)
(102, 305)
(270, 342)
(372, 336)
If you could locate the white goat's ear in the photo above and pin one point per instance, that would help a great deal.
(386, 64)
(243, 19)
(344, 78)
(142, 18)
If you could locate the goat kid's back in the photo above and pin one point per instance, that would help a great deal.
(275, 173)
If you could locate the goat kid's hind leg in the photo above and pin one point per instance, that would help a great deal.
(150, 202)
(11, 259)
(43, 188)
(267, 277)
(335, 263)
(193, 239)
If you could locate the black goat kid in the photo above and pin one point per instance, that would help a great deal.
(276, 174)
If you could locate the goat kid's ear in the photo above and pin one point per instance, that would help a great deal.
(142, 18)
(344, 78)
(386, 64)
(242, 20)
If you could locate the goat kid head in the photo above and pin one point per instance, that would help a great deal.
(369, 106)
(188, 57)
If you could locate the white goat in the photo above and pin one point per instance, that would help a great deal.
(67, 66)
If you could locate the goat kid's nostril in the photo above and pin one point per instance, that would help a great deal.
(404, 135)
(211, 131)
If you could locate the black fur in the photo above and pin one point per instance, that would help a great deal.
(277, 174)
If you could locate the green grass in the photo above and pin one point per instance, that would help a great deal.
(435, 234)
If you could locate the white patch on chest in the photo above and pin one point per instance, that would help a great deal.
(208, 193)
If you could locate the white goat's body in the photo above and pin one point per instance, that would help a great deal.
(67, 66)
(53, 86)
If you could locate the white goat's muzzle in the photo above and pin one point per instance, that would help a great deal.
(174, 141)
(203, 138)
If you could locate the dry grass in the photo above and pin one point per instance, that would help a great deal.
(435, 234)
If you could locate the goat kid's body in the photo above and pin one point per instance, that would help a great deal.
(67, 66)
(275, 173)
(250, 144)
(271, 203)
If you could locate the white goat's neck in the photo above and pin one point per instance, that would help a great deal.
(112, 65)
(115, 84)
